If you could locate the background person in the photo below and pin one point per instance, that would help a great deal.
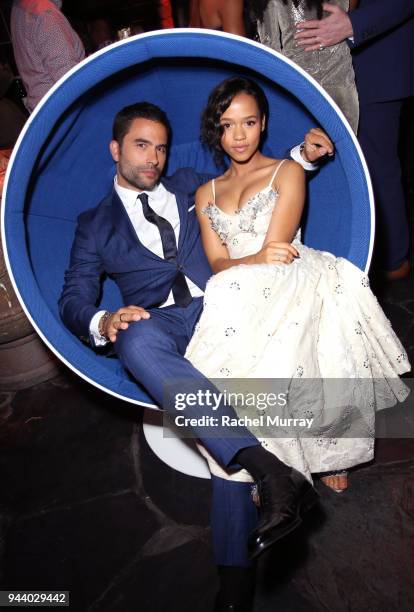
(383, 57)
(45, 45)
(226, 15)
(331, 67)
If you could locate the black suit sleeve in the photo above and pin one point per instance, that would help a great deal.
(376, 19)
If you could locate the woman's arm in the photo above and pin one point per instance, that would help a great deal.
(275, 249)
(217, 253)
(285, 220)
(231, 13)
(195, 21)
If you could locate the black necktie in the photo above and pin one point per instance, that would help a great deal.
(180, 290)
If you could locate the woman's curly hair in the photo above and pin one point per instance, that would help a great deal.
(218, 102)
(258, 7)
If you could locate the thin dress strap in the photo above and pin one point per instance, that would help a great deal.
(213, 189)
(275, 172)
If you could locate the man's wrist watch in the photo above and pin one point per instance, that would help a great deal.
(102, 322)
(301, 149)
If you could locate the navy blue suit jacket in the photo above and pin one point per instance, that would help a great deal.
(106, 244)
(384, 49)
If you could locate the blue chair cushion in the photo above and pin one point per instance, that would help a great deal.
(62, 165)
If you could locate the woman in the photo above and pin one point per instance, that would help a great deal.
(276, 308)
(226, 15)
(331, 67)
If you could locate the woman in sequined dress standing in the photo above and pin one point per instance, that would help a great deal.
(331, 66)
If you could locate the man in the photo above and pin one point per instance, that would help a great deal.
(382, 36)
(146, 236)
(45, 45)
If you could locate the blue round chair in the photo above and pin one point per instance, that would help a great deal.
(62, 166)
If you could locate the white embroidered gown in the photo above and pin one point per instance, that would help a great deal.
(311, 321)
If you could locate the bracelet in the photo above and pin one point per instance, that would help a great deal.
(101, 325)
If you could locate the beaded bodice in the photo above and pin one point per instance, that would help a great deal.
(244, 231)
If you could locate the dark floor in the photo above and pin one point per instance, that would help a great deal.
(85, 506)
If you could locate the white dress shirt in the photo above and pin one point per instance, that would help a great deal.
(164, 204)
(297, 157)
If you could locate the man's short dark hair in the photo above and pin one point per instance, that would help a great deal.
(140, 110)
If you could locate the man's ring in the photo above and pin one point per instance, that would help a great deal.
(321, 47)
(120, 317)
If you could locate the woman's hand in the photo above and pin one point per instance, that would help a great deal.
(276, 252)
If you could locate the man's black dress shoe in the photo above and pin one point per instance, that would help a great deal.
(283, 499)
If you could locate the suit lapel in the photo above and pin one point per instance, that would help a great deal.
(183, 206)
(122, 225)
(184, 202)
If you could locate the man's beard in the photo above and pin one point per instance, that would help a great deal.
(134, 178)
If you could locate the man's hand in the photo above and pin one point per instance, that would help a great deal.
(121, 320)
(317, 145)
(319, 33)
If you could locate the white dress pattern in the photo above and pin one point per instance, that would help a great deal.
(314, 319)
